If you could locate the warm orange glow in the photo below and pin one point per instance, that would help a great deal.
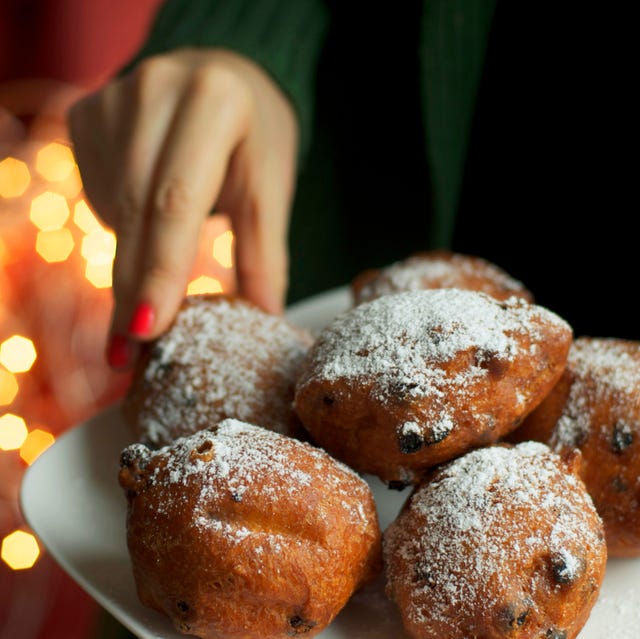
(20, 550)
(17, 354)
(49, 211)
(55, 162)
(204, 284)
(14, 177)
(71, 186)
(99, 247)
(84, 218)
(99, 274)
(8, 387)
(13, 432)
(54, 246)
(35, 444)
(223, 249)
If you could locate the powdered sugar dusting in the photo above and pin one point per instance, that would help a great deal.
(603, 370)
(440, 271)
(463, 544)
(397, 336)
(400, 342)
(213, 363)
(240, 461)
(233, 460)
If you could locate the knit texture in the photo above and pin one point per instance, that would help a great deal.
(455, 34)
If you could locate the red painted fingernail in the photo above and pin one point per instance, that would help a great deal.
(119, 352)
(142, 320)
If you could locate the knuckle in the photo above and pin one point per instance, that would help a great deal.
(173, 199)
(221, 83)
(154, 71)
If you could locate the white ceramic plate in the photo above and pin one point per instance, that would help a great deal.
(71, 499)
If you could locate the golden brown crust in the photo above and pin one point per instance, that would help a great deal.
(410, 380)
(596, 408)
(242, 533)
(222, 357)
(437, 269)
(501, 543)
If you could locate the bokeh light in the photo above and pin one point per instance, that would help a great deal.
(35, 444)
(17, 354)
(204, 284)
(99, 247)
(13, 432)
(222, 250)
(53, 222)
(71, 186)
(14, 177)
(49, 211)
(8, 387)
(54, 246)
(84, 218)
(55, 162)
(20, 550)
(99, 275)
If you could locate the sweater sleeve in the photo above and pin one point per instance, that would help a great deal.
(455, 35)
(283, 36)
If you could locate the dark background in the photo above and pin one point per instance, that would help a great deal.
(548, 190)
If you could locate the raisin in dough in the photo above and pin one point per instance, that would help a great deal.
(410, 380)
(503, 542)
(243, 533)
(595, 407)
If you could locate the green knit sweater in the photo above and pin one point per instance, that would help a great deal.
(382, 82)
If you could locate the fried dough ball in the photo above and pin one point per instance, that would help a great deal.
(596, 407)
(501, 543)
(410, 380)
(222, 357)
(242, 533)
(437, 269)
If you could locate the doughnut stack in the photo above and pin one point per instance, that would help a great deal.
(248, 511)
(236, 526)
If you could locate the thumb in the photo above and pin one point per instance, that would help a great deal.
(260, 224)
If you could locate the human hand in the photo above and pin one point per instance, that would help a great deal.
(157, 150)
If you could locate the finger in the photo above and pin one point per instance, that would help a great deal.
(260, 224)
(153, 94)
(96, 132)
(117, 134)
(209, 123)
(91, 147)
(94, 127)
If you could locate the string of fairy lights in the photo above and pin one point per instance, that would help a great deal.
(47, 223)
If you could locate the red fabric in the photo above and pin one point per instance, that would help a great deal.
(76, 41)
(43, 602)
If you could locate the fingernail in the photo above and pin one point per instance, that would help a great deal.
(119, 351)
(142, 320)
